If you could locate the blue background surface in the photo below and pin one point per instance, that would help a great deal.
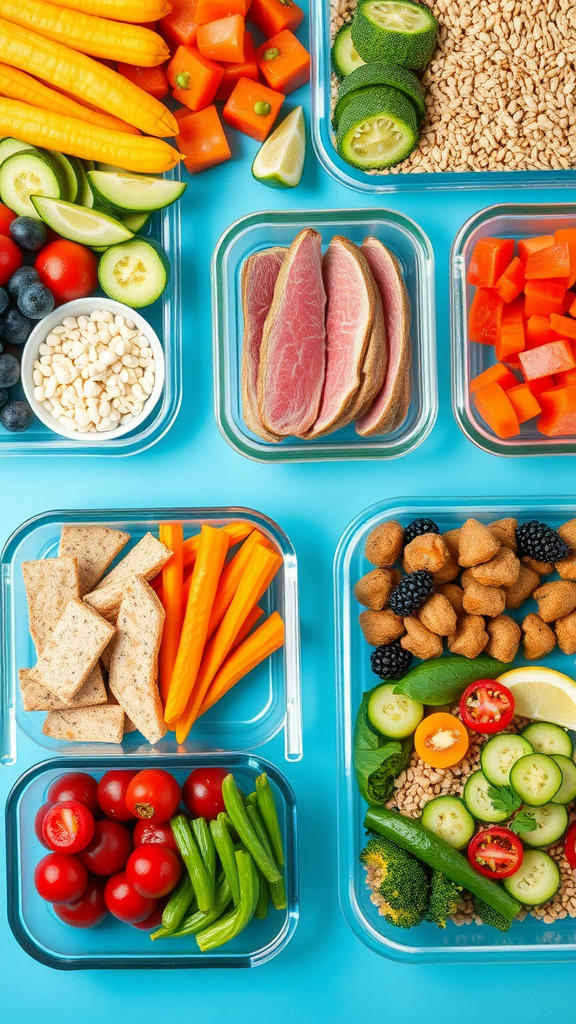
(325, 970)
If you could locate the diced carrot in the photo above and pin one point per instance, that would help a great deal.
(223, 40)
(213, 10)
(563, 326)
(543, 297)
(511, 283)
(202, 141)
(248, 68)
(510, 338)
(252, 108)
(526, 246)
(496, 409)
(568, 235)
(524, 403)
(194, 78)
(546, 359)
(541, 384)
(489, 260)
(484, 317)
(552, 263)
(497, 374)
(271, 16)
(558, 411)
(538, 331)
(284, 62)
(179, 27)
(151, 80)
(564, 378)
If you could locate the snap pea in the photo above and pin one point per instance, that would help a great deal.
(225, 850)
(277, 890)
(238, 814)
(232, 923)
(193, 860)
(198, 920)
(267, 808)
(203, 837)
(180, 899)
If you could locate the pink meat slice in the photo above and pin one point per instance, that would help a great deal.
(391, 404)
(259, 276)
(292, 354)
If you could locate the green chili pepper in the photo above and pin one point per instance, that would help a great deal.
(193, 860)
(267, 808)
(277, 890)
(238, 814)
(180, 899)
(232, 923)
(225, 850)
(203, 837)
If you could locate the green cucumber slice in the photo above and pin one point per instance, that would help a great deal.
(79, 224)
(133, 193)
(69, 174)
(536, 778)
(552, 821)
(136, 222)
(450, 819)
(393, 714)
(395, 31)
(135, 273)
(547, 738)
(381, 74)
(500, 753)
(84, 195)
(27, 174)
(478, 801)
(10, 146)
(567, 791)
(377, 129)
(536, 880)
(345, 58)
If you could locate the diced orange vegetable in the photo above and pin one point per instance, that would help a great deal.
(271, 16)
(541, 384)
(510, 338)
(485, 316)
(213, 10)
(284, 62)
(179, 27)
(194, 78)
(172, 535)
(235, 531)
(151, 80)
(524, 403)
(497, 374)
(543, 297)
(496, 409)
(563, 326)
(252, 108)
(202, 141)
(511, 283)
(558, 411)
(568, 235)
(489, 260)
(526, 246)
(248, 68)
(567, 302)
(223, 40)
(546, 359)
(269, 637)
(538, 331)
(564, 378)
(552, 263)
(572, 309)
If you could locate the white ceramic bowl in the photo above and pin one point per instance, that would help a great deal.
(79, 307)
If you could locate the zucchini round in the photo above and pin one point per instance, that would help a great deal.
(381, 74)
(546, 738)
(500, 753)
(536, 880)
(567, 791)
(29, 173)
(448, 818)
(536, 778)
(478, 801)
(393, 714)
(134, 272)
(377, 129)
(395, 31)
(552, 821)
(345, 59)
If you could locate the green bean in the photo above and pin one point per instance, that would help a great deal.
(252, 800)
(193, 860)
(194, 923)
(180, 899)
(267, 808)
(263, 896)
(238, 813)
(203, 837)
(225, 849)
(232, 923)
(277, 890)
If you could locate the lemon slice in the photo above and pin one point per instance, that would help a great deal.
(542, 694)
(280, 161)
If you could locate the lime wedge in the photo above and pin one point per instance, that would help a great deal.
(280, 160)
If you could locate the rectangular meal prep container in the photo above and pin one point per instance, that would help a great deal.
(113, 944)
(248, 716)
(470, 358)
(261, 230)
(165, 317)
(530, 940)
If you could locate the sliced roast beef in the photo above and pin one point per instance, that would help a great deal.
(292, 354)
(375, 361)
(390, 406)
(259, 275)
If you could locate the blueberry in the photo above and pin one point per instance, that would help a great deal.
(28, 232)
(4, 299)
(20, 278)
(16, 416)
(35, 301)
(3, 397)
(9, 370)
(16, 327)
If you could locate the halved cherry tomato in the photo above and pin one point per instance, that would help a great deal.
(487, 706)
(68, 827)
(496, 852)
(75, 786)
(570, 845)
(60, 878)
(88, 910)
(153, 794)
(441, 740)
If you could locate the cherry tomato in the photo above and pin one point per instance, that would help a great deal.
(441, 740)
(60, 878)
(153, 794)
(112, 790)
(487, 706)
(6, 217)
(154, 832)
(109, 849)
(68, 827)
(155, 919)
(202, 792)
(69, 270)
(10, 259)
(153, 870)
(87, 911)
(124, 902)
(570, 845)
(38, 821)
(495, 852)
(77, 786)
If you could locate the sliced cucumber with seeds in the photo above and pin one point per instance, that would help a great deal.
(536, 880)
(133, 193)
(536, 778)
(27, 174)
(136, 222)
(68, 172)
(10, 146)
(395, 31)
(135, 273)
(393, 714)
(552, 822)
(377, 129)
(500, 753)
(449, 818)
(567, 791)
(79, 224)
(547, 738)
(84, 196)
(381, 74)
(478, 801)
(345, 57)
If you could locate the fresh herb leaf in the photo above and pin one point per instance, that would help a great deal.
(504, 799)
(377, 760)
(443, 680)
(524, 822)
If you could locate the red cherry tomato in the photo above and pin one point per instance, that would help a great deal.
(202, 792)
(6, 217)
(109, 849)
(155, 918)
(10, 258)
(124, 902)
(153, 870)
(60, 878)
(487, 706)
(112, 790)
(154, 832)
(68, 827)
(38, 822)
(153, 794)
(570, 845)
(495, 852)
(69, 270)
(87, 911)
(77, 786)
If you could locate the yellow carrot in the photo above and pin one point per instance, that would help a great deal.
(269, 637)
(85, 78)
(136, 11)
(99, 37)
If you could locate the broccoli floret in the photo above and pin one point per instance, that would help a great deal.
(445, 896)
(489, 915)
(398, 882)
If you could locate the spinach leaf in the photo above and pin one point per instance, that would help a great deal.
(443, 680)
(377, 760)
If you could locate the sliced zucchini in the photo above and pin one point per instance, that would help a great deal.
(10, 146)
(500, 753)
(27, 174)
(536, 880)
(136, 222)
(70, 179)
(547, 738)
(567, 791)
(450, 819)
(552, 821)
(345, 58)
(79, 224)
(478, 801)
(377, 129)
(133, 193)
(395, 31)
(393, 714)
(135, 273)
(381, 74)
(536, 778)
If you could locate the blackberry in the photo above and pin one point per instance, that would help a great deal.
(417, 527)
(411, 592)
(541, 542)
(390, 661)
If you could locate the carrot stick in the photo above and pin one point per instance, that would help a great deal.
(256, 579)
(236, 532)
(156, 583)
(231, 576)
(211, 554)
(172, 535)
(246, 656)
(251, 620)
